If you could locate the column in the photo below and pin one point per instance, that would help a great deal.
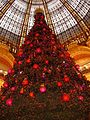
(25, 23)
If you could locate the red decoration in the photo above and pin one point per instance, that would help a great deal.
(3, 97)
(28, 61)
(27, 42)
(9, 102)
(31, 45)
(42, 89)
(13, 88)
(46, 61)
(9, 71)
(38, 50)
(20, 53)
(35, 66)
(81, 98)
(45, 69)
(6, 85)
(37, 34)
(66, 97)
(20, 62)
(31, 94)
(59, 84)
(25, 82)
(21, 91)
(44, 29)
(66, 78)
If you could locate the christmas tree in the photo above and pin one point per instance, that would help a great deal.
(45, 83)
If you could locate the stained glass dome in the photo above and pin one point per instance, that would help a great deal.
(62, 14)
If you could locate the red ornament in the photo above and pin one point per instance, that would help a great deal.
(41, 22)
(37, 34)
(28, 61)
(20, 53)
(9, 102)
(13, 88)
(81, 98)
(35, 66)
(21, 91)
(46, 61)
(20, 62)
(59, 84)
(66, 97)
(44, 69)
(42, 89)
(44, 29)
(27, 42)
(3, 97)
(6, 85)
(66, 78)
(9, 71)
(25, 82)
(38, 50)
(31, 94)
(31, 45)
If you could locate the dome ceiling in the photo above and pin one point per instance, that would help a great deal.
(65, 25)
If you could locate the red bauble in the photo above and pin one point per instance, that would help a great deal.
(31, 45)
(35, 66)
(27, 42)
(31, 94)
(5, 85)
(21, 91)
(13, 88)
(9, 71)
(3, 97)
(44, 69)
(81, 97)
(28, 61)
(59, 84)
(46, 61)
(42, 89)
(44, 29)
(25, 82)
(20, 62)
(9, 102)
(66, 98)
(37, 34)
(38, 50)
(20, 53)
(41, 22)
(66, 78)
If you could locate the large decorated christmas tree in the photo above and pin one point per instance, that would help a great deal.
(45, 83)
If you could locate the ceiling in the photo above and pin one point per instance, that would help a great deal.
(65, 25)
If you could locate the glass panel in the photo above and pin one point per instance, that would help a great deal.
(3, 3)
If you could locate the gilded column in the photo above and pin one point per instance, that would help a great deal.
(25, 23)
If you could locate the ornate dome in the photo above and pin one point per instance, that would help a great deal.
(69, 19)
